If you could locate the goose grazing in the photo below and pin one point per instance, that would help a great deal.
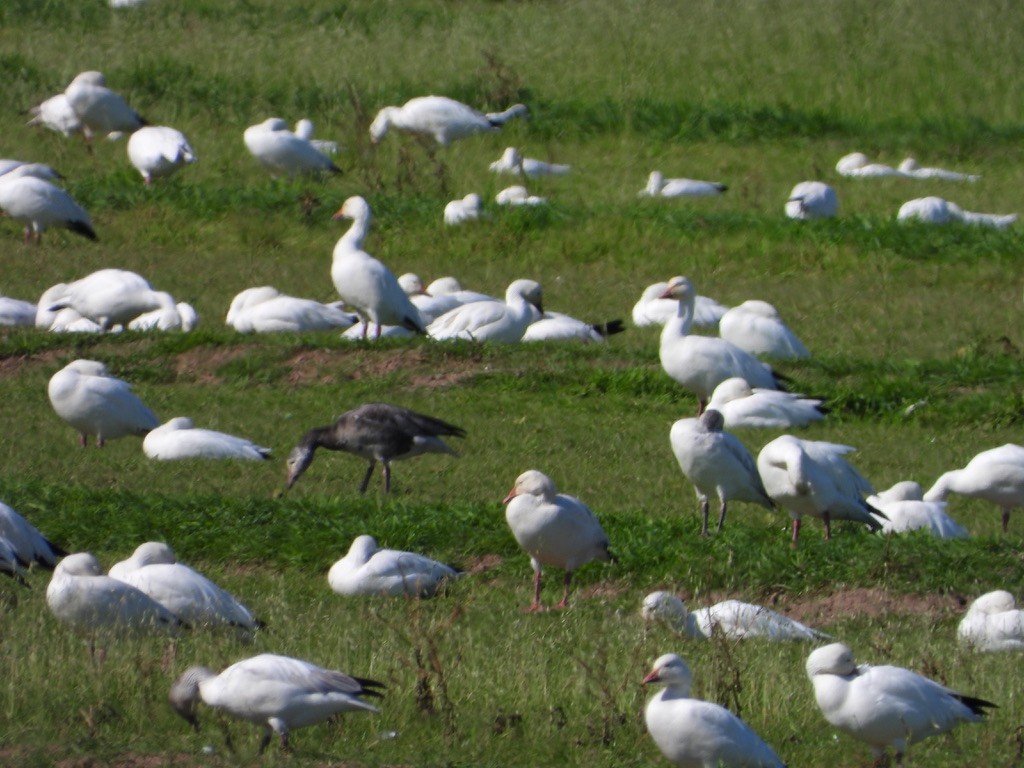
(701, 363)
(466, 209)
(554, 529)
(993, 622)
(367, 570)
(910, 167)
(363, 282)
(858, 166)
(717, 463)
(112, 297)
(283, 153)
(995, 475)
(14, 312)
(517, 195)
(935, 210)
(808, 477)
(742, 406)
(905, 509)
(267, 310)
(278, 692)
(39, 205)
(377, 432)
(731, 619)
(193, 598)
(503, 322)
(885, 706)
(757, 327)
(693, 733)
(444, 119)
(513, 162)
(89, 602)
(87, 397)
(179, 439)
(27, 544)
(659, 186)
(304, 129)
(159, 151)
(812, 200)
(651, 309)
(56, 114)
(101, 111)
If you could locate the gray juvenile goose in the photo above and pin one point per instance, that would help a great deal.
(377, 432)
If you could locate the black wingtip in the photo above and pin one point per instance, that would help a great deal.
(82, 228)
(976, 705)
(609, 328)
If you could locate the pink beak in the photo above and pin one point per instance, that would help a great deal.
(511, 495)
(652, 677)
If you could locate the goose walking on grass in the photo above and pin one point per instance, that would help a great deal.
(112, 297)
(935, 210)
(511, 161)
(812, 200)
(39, 205)
(910, 167)
(27, 544)
(283, 153)
(659, 186)
(885, 706)
(279, 693)
(906, 510)
(367, 570)
(731, 619)
(438, 117)
(652, 309)
(743, 406)
(159, 151)
(87, 397)
(993, 622)
(365, 285)
(808, 477)
(717, 463)
(701, 363)
(503, 322)
(101, 111)
(692, 733)
(757, 327)
(377, 432)
(554, 529)
(180, 439)
(995, 475)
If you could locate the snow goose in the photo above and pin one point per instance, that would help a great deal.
(159, 151)
(504, 322)
(701, 363)
(267, 310)
(808, 477)
(514, 163)
(37, 170)
(110, 297)
(186, 593)
(693, 733)
(906, 511)
(742, 406)
(281, 152)
(442, 295)
(363, 282)
(182, 317)
(717, 463)
(651, 309)
(659, 186)
(56, 114)
(278, 692)
(885, 706)
(812, 200)
(92, 401)
(466, 209)
(730, 619)
(367, 570)
(100, 110)
(27, 544)
(147, 553)
(857, 165)
(517, 195)
(757, 327)
(377, 432)
(554, 529)
(993, 622)
(554, 326)
(995, 475)
(83, 598)
(16, 312)
(179, 439)
(935, 210)
(910, 167)
(38, 204)
(304, 129)
(444, 119)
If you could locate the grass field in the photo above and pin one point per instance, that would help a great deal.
(757, 94)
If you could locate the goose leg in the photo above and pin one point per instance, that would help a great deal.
(366, 477)
(704, 516)
(83, 440)
(701, 405)
(267, 733)
(721, 516)
(1006, 519)
(796, 532)
(828, 526)
(565, 591)
(535, 606)
(387, 476)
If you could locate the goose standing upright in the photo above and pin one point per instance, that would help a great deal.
(159, 151)
(363, 282)
(101, 111)
(38, 204)
(367, 570)
(757, 327)
(497, 321)
(995, 475)
(443, 119)
(993, 622)
(731, 619)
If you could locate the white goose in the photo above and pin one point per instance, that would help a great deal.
(39, 205)
(92, 401)
(444, 119)
(554, 529)
(693, 733)
(857, 165)
(995, 475)
(812, 200)
(659, 186)
(511, 161)
(808, 477)
(363, 282)
(111, 297)
(281, 152)
(757, 327)
(278, 692)
(15, 312)
(905, 509)
(147, 553)
(717, 463)
(993, 622)
(56, 114)
(651, 309)
(367, 570)
(100, 110)
(885, 706)
(935, 210)
(730, 619)
(701, 363)
(27, 544)
(267, 310)
(442, 295)
(465, 209)
(743, 406)
(179, 439)
(555, 326)
(496, 321)
(183, 317)
(910, 167)
(159, 151)
(517, 195)
(304, 129)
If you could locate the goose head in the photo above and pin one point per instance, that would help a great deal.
(664, 606)
(529, 290)
(532, 483)
(298, 461)
(184, 693)
(679, 288)
(670, 670)
(834, 659)
(355, 208)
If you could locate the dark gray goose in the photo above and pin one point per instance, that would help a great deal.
(377, 432)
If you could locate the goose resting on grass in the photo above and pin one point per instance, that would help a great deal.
(514, 163)
(857, 165)
(906, 510)
(367, 570)
(27, 544)
(267, 310)
(281, 152)
(659, 186)
(39, 205)
(812, 200)
(757, 327)
(15, 312)
(112, 297)
(159, 151)
(179, 439)
(742, 406)
(466, 209)
(993, 622)
(438, 117)
(651, 309)
(504, 322)
(183, 317)
(935, 210)
(377, 432)
(910, 167)
(885, 706)
(995, 475)
(278, 692)
(731, 619)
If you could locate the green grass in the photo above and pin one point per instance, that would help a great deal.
(759, 95)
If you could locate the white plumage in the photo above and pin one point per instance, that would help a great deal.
(910, 167)
(367, 570)
(281, 152)
(100, 110)
(743, 406)
(905, 509)
(857, 165)
(993, 622)
(26, 543)
(511, 161)
(659, 186)
(995, 475)
(304, 129)
(496, 321)
(443, 119)
(651, 309)
(15, 312)
(159, 151)
(56, 114)
(465, 209)
(812, 200)
(182, 317)
(39, 205)
(730, 619)
(180, 439)
(757, 327)
(267, 310)
(935, 210)
(555, 326)
(517, 195)
(110, 297)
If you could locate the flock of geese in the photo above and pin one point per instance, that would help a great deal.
(151, 592)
